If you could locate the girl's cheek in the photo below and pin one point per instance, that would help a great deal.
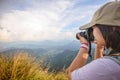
(98, 38)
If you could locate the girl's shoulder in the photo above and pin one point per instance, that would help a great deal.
(105, 61)
(98, 69)
(113, 58)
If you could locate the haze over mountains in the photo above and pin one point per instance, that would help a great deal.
(52, 51)
(58, 54)
(36, 44)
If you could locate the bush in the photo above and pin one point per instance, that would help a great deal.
(25, 67)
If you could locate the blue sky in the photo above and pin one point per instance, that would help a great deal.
(39, 20)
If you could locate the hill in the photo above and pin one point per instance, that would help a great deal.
(58, 55)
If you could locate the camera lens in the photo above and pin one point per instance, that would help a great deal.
(88, 34)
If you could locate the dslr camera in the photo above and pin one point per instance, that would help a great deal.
(88, 34)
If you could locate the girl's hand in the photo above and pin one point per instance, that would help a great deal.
(82, 39)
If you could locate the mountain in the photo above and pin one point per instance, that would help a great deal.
(63, 59)
(33, 44)
(37, 52)
(57, 54)
(73, 45)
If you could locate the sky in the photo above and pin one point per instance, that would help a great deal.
(39, 20)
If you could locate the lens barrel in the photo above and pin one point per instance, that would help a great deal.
(87, 35)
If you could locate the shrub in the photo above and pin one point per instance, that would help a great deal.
(25, 67)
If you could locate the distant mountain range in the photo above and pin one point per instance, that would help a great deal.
(36, 44)
(58, 54)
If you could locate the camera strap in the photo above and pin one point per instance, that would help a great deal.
(89, 52)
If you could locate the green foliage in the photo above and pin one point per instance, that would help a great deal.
(24, 67)
(61, 60)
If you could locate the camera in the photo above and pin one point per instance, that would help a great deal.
(88, 34)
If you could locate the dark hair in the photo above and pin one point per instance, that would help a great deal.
(111, 34)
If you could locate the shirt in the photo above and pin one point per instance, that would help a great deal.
(100, 69)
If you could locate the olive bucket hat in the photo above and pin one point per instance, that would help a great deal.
(108, 14)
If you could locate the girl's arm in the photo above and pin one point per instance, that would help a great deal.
(80, 59)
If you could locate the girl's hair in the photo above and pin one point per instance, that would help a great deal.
(111, 34)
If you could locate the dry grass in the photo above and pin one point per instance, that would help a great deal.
(24, 67)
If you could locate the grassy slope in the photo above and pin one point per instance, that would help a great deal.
(24, 67)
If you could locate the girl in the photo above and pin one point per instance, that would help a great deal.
(106, 31)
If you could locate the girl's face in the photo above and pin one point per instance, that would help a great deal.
(98, 36)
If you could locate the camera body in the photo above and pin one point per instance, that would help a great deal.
(88, 34)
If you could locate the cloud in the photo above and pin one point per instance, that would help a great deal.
(114, 0)
(44, 20)
(34, 23)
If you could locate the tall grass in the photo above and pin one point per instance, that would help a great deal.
(25, 67)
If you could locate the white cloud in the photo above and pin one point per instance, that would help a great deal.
(43, 21)
(34, 24)
(114, 0)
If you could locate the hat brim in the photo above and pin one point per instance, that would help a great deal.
(86, 26)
